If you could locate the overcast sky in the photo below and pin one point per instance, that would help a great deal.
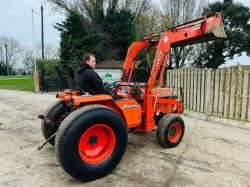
(16, 22)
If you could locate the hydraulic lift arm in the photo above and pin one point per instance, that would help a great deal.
(204, 29)
(197, 31)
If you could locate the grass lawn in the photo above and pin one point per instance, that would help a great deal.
(24, 83)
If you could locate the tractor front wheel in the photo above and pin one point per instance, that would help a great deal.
(170, 130)
(90, 142)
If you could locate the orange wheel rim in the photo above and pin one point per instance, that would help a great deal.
(174, 132)
(96, 144)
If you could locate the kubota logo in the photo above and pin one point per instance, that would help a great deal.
(159, 59)
(130, 106)
(157, 63)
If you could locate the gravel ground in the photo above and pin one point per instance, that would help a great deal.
(211, 154)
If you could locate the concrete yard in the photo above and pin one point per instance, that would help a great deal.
(211, 154)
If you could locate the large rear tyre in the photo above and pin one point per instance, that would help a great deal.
(90, 142)
(170, 130)
(53, 113)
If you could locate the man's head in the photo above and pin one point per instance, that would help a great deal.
(90, 60)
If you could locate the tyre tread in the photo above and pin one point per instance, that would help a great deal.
(65, 128)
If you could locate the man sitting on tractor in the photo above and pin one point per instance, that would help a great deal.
(87, 79)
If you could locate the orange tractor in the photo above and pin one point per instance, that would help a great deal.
(90, 132)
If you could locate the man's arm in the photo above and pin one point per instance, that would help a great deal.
(97, 83)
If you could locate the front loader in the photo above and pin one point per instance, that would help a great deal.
(90, 132)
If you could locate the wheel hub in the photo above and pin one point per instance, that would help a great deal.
(96, 144)
(93, 140)
(172, 130)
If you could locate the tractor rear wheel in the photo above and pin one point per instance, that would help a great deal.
(90, 142)
(53, 113)
(170, 130)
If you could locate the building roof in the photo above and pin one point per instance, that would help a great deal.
(110, 64)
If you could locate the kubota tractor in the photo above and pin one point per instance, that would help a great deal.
(90, 132)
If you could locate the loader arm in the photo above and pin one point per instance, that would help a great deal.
(197, 31)
(200, 30)
(133, 50)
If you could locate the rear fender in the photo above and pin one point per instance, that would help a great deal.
(104, 100)
(128, 109)
(82, 100)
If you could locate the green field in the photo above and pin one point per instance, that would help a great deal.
(24, 83)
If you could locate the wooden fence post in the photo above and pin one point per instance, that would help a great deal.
(198, 104)
(216, 92)
(188, 72)
(185, 87)
(245, 105)
(192, 89)
(233, 93)
(203, 90)
(248, 106)
(239, 90)
(207, 94)
(211, 92)
(227, 92)
(221, 92)
(195, 90)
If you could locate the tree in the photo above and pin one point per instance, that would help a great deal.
(182, 11)
(115, 19)
(50, 53)
(151, 21)
(28, 60)
(10, 55)
(94, 10)
(237, 27)
(228, 1)
(120, 29)
(50, 70)
(77, 39)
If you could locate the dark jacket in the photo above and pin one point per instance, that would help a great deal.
(88, 80)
